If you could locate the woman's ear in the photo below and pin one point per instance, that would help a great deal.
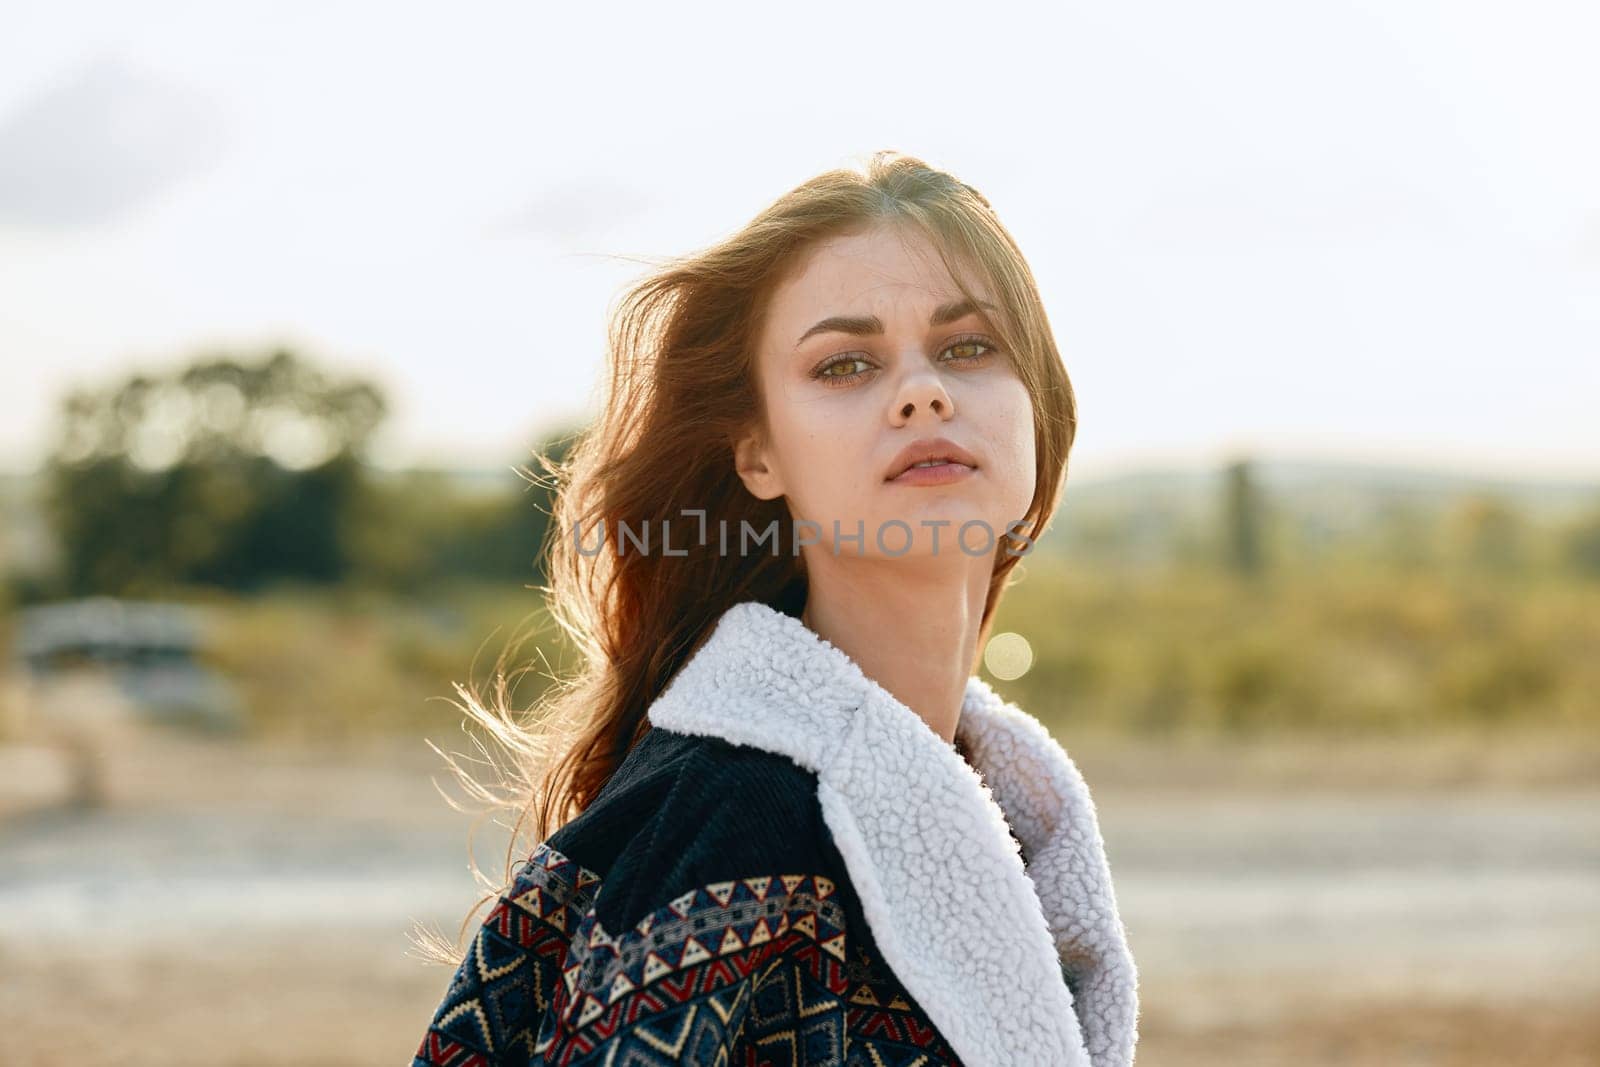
(751, 462)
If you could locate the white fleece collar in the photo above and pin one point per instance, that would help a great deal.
(980, 941)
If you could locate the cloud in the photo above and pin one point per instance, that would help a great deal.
(102, 145)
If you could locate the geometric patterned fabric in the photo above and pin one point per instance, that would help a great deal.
(761, 970)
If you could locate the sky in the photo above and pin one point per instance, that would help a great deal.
(1351, 230)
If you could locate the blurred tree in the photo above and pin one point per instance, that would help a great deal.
(226, 472)
(509, 538)
(1581, 544)
(1243, 520)
(422, 525)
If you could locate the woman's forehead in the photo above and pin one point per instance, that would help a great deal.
(857, 272)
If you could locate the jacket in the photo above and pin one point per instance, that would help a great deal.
(791, 867)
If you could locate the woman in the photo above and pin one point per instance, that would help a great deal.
(791, 825)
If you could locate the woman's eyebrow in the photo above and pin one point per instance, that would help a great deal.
(867, 325)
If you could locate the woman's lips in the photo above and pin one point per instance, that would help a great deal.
(940, 474)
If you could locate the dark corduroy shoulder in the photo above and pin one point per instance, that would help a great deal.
(683, 811)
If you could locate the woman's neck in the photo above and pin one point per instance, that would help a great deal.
(917, 638)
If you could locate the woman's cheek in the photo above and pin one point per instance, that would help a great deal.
(1019, 471)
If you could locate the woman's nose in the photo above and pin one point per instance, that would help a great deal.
(923, 390)
(933, 403)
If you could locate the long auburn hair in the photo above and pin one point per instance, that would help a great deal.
(681, 386)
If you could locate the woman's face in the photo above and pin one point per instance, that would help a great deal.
(864, 352)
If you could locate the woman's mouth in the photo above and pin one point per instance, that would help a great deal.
(932, 472)
(931, 461)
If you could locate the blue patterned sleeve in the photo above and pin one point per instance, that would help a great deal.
(742, 971)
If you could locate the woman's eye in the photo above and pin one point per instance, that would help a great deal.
(972, 347)
(833, 370)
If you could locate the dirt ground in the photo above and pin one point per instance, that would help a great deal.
(249, 905)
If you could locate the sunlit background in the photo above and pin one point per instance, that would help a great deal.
(289, 291)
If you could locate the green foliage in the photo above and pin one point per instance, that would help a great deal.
(237, 475)
(1187, 654)
(1347, 650)
(225, 472)
(1488, 535)
(336, 664)
(1580, 546)
(418, 528)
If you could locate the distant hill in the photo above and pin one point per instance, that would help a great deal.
(1147, 512)
(1314, 484)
